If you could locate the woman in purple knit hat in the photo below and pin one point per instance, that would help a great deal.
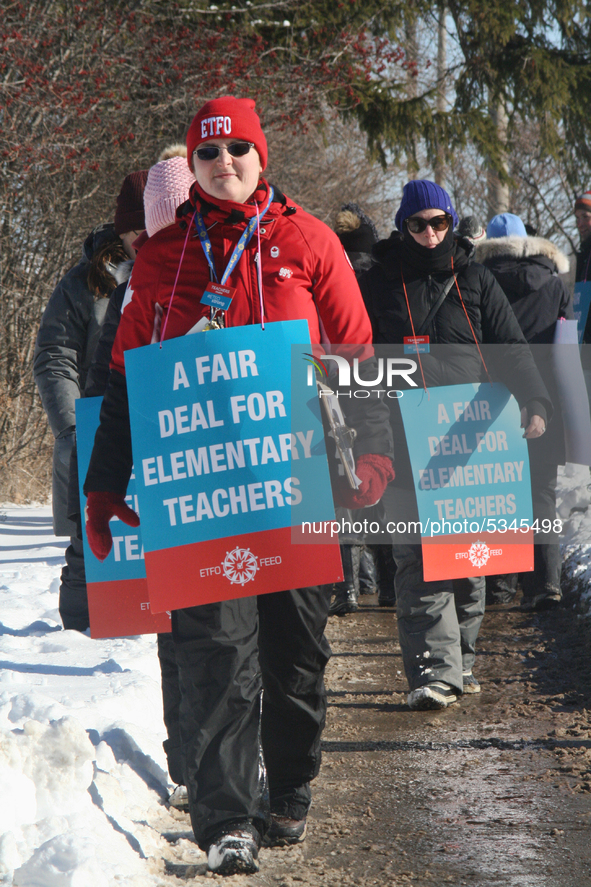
(425, 282)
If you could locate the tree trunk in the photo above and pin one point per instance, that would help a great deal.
(412, 52)
(498, 191)
(441, 68)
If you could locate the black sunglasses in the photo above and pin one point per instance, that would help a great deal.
(416, 225)
(211, 152)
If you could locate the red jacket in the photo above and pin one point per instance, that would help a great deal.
(305, 274)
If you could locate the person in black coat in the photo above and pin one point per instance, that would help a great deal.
(425, 282)
(583, 274)
(583, 220)
(527, 269)
(366, 568)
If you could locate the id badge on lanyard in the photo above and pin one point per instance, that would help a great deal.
(416, 345)
(218, 296)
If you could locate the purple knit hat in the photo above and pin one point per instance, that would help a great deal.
(421, 194)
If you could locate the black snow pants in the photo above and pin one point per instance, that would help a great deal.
(252, 706)
(171, 700)
(73, 598)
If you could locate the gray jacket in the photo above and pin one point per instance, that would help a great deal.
(68, 335)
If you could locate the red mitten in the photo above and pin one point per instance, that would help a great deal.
(375, 473)
(100, 508)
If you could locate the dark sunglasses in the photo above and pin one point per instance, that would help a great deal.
(416, 225)
(212, 152)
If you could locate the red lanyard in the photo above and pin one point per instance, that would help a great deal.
(412, 326)
(467, 318)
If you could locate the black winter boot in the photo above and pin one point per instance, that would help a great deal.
(346, 592)
(368, 579)
(386, 570)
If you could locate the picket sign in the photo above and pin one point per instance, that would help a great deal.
(118, 601)
(470, 467)
(229, 457)
(581, 303)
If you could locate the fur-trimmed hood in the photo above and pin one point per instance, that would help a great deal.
(521, 248)
(528, 270)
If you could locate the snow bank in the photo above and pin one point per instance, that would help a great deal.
(83, 778)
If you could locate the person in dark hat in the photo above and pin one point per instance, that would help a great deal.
(583, 274)
(358, 233)
(424, 278)
(583, 220)
(367, 568)
(66, 341)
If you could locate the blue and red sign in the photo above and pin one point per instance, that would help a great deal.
(118, 600)
(229, 454)
(471, 470)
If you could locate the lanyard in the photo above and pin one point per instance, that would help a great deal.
(467, 318)
(238, 249)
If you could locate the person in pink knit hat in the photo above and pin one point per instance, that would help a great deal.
(167, 187)
(66, 340)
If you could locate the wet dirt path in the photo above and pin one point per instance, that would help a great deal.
(494, 790)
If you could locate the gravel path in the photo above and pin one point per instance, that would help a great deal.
(494, 790)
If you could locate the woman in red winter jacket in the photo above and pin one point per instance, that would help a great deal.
(247, 764)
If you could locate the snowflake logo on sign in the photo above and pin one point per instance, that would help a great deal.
(240, 566)
(479, 553)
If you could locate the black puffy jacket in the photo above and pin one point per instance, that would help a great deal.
(482, 316)
(490, 319)
(527, 269)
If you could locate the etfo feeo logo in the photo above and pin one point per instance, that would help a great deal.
(479, 554)
(240, 566)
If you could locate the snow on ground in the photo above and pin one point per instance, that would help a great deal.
(83, 776)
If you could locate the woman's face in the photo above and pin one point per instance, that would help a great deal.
(127, 239)
(429, 237)
(227, 177)
(583, 219)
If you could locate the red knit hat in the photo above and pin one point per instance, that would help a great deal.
(129, 215)
(227, 117)
(582, 202)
